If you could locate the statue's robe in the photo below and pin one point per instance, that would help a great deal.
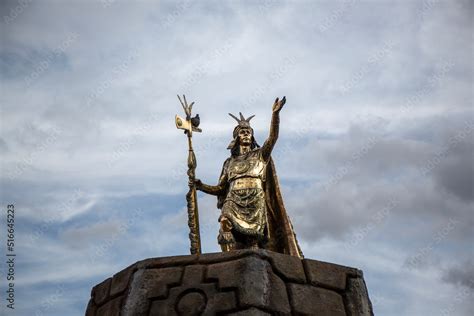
(257, 212)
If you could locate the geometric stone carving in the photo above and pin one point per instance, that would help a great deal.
(243, 282)
(255, 282)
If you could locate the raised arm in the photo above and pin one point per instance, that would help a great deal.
(274, 128)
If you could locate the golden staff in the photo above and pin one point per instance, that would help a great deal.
(190, 125)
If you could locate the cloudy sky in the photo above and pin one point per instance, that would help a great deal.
(374, 155)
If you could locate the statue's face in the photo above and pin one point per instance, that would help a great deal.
(245, 136)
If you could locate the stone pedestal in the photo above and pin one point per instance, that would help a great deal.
(246, 282)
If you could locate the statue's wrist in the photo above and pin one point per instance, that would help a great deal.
(276, 116)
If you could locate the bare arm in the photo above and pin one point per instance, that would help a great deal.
(274, 129)
(210, 189)
(218, 189)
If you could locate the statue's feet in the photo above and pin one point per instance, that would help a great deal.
(226, 241)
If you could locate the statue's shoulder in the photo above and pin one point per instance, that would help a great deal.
(227, 161)
(256, 152)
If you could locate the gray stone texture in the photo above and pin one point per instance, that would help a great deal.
(310, 300)
(244, 282)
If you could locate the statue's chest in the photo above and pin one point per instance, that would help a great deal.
(250, 165)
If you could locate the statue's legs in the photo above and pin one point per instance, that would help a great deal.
(230, 240)
(226, 239)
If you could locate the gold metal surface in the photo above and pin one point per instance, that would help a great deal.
(182, 123)
(191, 196)
(248, 193)
(246, 183)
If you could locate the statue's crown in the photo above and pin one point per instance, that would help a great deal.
(243, 122)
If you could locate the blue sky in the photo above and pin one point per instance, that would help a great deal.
(374, 155)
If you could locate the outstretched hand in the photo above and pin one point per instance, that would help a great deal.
(278, 105)
(197, 183)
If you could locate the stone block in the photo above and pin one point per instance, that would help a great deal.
(327, 274)
(157, 281)
(162, 308)
(193, 274)
(100, 292)
(111, 308)
(166, 262)
(120, 281)
(255, 281)
(149, 284)
(220, 302)
(291, 268)
(217, 257)
(358, 302)
(91, 308)
(310, 300)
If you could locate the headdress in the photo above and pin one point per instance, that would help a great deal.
(242, 123)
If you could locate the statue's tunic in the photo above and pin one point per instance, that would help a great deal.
(244, 204)
(248, 193)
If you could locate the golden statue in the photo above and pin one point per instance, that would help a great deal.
(253, 214)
